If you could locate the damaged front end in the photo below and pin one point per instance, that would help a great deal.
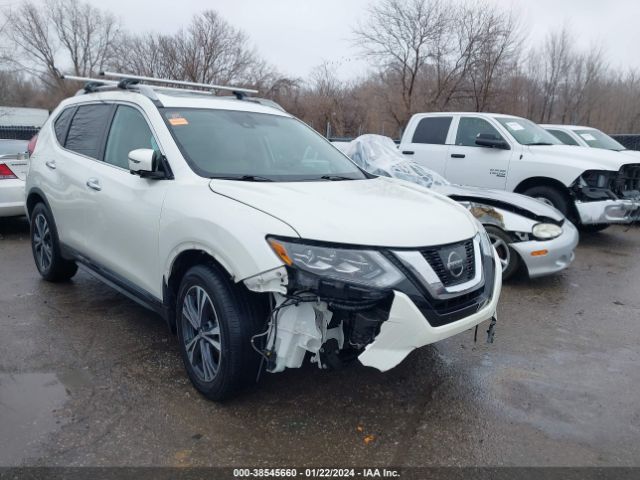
(336, 303)
(604, 197)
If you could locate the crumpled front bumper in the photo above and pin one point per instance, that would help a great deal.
(560, 252)
(609, 211)
(407, 329)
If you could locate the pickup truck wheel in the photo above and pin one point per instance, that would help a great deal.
(551, 196)
(46, 247)
(215, 326)
(508, 256)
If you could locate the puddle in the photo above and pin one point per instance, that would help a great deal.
(28, 404)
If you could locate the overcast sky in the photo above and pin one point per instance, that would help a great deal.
(296, 35)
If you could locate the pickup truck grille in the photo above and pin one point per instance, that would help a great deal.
(628, 181)
(454, 264)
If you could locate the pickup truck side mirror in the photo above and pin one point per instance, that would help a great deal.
(491, 140)
(149, 164)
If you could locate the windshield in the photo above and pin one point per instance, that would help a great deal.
(11, 147)
(597, 139)
(526, 132)
(256, 147)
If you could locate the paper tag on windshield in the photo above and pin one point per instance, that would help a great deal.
(175, 121)
(515, 126)
(588, 137)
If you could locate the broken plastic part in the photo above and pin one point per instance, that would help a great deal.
(275, 280)
(491, 331)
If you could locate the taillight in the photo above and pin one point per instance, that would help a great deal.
(31, 146)
(5, 172)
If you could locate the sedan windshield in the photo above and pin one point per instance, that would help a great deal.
(251, 146)
(597, 139)
(526, 132)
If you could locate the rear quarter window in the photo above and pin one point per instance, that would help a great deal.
(61, 124)
(87, 130)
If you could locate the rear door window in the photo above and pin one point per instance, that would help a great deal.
(87, 130)
(432, 130)
(129, 131)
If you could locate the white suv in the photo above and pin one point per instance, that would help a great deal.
(257, 240)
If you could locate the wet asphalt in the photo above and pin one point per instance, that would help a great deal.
(87, 377)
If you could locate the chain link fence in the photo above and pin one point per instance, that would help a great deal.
(630, 141)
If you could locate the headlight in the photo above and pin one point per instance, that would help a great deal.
(546, 231)
(363, 267)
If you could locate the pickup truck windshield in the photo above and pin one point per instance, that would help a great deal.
(251, 146)
(597, 139)
(526, 132)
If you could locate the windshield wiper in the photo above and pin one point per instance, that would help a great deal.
(335, 178)
(538, 143)
(245, 178)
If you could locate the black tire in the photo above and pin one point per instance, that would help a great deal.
(236, 363)
(45, 247)
(552, 196)
(595, 228)
(500, 241)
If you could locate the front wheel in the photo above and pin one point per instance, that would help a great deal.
(551, 196)
(46, 247)
(509, 258)
(215, 325)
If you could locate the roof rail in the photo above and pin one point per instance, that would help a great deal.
(134, 83)
(237, 91)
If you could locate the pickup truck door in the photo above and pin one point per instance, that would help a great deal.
(425, 141)
(471, 164)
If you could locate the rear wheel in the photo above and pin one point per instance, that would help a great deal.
(509, 258)
(215, 324)
(46, 247)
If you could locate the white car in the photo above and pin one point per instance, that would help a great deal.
(14, 164)
(592, 187)
(576, 135)
(258, 241)
(523, 231)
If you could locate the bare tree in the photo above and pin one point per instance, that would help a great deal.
(402, 37)
(60, 34)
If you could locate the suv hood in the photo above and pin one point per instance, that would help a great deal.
(377, 212)
(584, 157)
(514, 202)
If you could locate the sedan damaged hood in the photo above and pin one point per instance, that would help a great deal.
(376, 212)
(521, 204)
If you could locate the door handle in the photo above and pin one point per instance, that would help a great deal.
(51, 164)
(457, 155)
(408, 152)
(94, 184)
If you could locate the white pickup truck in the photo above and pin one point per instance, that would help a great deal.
(593, 187)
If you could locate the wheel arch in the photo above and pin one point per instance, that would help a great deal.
(34, 197)
(541, 181)
(176, 270)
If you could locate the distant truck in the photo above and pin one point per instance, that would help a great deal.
(594, 188)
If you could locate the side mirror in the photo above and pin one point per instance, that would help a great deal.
(491, 140)
(142, 161)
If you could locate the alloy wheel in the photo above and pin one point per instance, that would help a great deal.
(546, 201)
(504, 252)
(42, 242)
(201, 333)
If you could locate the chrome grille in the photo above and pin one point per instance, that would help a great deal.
(447, 260)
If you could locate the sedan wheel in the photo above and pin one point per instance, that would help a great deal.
(201, 333)
(509, 259)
